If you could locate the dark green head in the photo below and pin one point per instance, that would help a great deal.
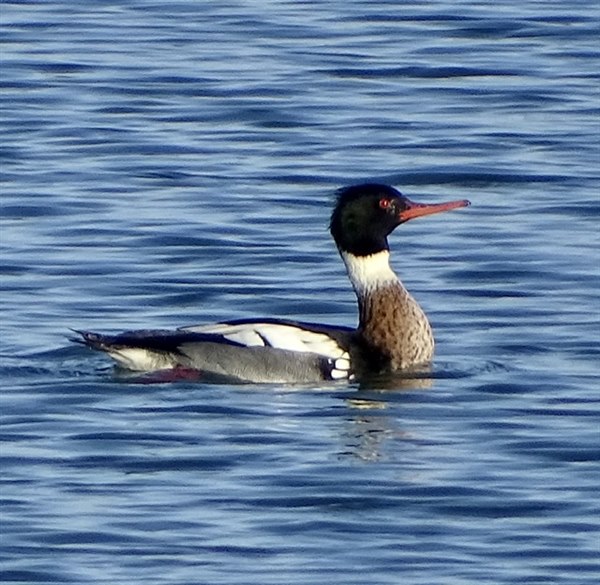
(365, 215)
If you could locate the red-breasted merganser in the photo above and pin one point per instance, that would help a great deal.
(393, 332)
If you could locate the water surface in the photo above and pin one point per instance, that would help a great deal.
(170, 165)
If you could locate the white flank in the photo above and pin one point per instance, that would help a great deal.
(367, 273)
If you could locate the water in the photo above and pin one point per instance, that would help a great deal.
(170, 164)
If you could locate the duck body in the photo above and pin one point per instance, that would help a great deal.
(393, 331)
(265, 350)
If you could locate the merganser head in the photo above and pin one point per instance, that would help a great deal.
(365, 215)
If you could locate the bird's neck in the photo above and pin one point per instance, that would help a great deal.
(371, 273)
(390, 320)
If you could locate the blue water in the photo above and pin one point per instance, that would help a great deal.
(165, 164)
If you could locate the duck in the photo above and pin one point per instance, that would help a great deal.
(393, 332)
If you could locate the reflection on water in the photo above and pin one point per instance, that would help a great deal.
(417, 378)
(363, 436)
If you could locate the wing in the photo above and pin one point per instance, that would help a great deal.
(327, 341)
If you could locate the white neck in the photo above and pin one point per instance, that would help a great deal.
(367, 273)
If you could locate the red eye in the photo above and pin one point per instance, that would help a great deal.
(385, 203)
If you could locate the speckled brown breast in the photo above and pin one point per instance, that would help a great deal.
(394, 328)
